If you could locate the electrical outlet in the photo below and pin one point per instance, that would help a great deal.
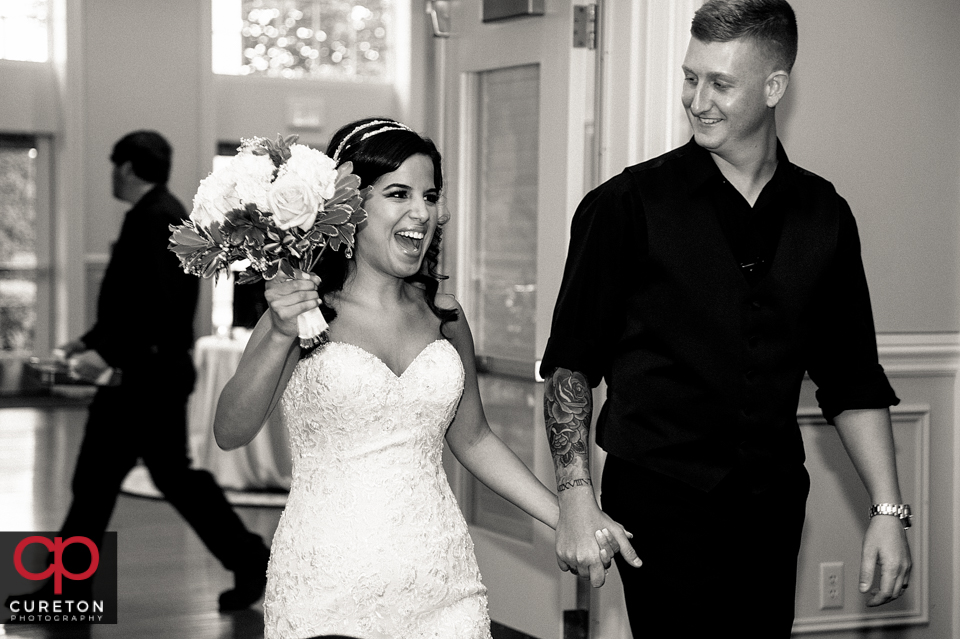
(831, 585)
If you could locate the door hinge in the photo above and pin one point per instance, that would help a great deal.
(585, 26)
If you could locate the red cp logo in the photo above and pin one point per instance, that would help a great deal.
(57, 569)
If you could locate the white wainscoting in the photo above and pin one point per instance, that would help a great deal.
(923, 368)
(836, 521)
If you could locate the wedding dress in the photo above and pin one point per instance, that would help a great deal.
(372, 543)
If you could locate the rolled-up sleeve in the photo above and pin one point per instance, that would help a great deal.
(843, 359)
(607, 238)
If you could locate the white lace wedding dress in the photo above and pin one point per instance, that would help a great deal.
(372, 543)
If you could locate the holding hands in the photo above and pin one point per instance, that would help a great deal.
(588, 539)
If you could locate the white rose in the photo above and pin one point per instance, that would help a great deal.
(213, 199)
(293, 202)
(314, 168)
(252, 175)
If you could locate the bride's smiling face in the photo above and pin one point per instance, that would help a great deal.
(402, 213)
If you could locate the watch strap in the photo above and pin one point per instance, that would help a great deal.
(900, 511)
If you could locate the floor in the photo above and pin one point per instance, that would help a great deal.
(168, 582)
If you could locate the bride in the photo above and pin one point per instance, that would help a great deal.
(372, 542)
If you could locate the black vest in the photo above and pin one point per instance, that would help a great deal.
(721, 362)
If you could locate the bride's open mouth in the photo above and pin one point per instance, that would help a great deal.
(410, 241)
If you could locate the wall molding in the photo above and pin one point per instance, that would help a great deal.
(919, 354)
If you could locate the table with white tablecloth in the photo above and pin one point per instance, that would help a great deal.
(264, 463)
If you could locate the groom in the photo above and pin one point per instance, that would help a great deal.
(701, 286)
(144, 330)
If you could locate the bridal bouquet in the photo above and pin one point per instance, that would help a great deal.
(274, 208)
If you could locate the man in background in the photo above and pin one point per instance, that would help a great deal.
(138, 351)
(701, 286)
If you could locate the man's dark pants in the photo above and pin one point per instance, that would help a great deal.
(717, 564)
(126, 423)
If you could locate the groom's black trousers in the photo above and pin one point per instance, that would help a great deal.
(717, 564)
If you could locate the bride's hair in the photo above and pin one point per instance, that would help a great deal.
(377, 146)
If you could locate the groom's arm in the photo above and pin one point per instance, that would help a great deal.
(568, 411)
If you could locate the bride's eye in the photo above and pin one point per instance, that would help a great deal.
(398, 194)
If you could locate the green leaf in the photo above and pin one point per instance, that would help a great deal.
(214, 231)
(210, 269)
(249, 276)
(187, 236)
(358, 216)
(271, 271)
(286, 268)
(337, 216)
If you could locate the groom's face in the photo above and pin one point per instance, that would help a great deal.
(725, 93)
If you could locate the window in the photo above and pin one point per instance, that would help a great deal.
(24, 245)
(23, 30)
(326, 39)
(503, 265)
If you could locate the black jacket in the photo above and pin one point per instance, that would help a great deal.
(147, 303)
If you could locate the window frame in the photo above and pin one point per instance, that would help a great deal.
(44, 271)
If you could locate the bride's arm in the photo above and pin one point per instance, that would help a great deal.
(267, 363)
(480, 450)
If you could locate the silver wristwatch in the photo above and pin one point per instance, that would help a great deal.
(900, 511)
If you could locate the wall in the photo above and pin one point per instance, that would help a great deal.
(136, 77)
(248, 106)
(873, 106)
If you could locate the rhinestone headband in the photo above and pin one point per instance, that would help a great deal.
(390, 125)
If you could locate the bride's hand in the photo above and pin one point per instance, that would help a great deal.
(288, 298)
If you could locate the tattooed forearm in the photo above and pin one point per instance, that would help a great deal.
(564, 485)
(567, 411)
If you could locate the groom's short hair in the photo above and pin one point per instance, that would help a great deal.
(771, 24)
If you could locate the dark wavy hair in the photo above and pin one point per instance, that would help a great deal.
(372, 157)
(149, 154)
(770, 23)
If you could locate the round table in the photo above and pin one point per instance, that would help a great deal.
(264, 463)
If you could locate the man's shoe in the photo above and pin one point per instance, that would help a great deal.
(249, 584)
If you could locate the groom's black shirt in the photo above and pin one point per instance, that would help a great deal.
(703, 314)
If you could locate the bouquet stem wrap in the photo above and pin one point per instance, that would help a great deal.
(312, 328)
